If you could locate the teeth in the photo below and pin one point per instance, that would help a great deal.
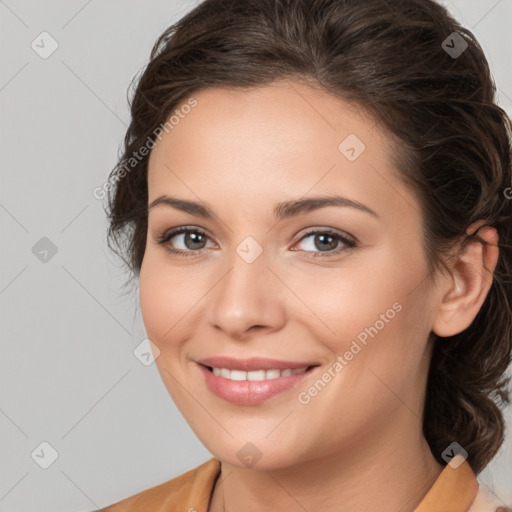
(257, 374)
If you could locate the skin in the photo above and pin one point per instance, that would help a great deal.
(359, 441)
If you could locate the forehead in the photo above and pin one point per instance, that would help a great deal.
(285, 138)
(279, 115)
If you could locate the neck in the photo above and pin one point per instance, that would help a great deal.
(394, 472)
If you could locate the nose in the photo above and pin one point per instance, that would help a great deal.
(248, 299)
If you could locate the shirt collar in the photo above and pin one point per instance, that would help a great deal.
(454, 490)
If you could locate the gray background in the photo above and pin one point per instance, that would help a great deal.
(68, 373)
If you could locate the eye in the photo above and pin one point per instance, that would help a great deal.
(193, 240)
(324, 241)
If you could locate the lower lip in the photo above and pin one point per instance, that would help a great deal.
(250, 392)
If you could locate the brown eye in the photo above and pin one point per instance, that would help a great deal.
(326, 242)
(189, 241)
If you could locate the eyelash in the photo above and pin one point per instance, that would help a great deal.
(166, 237)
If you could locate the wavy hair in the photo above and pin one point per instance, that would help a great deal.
(452, 147)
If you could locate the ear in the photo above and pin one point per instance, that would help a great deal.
(466, 288)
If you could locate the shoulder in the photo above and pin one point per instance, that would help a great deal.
(190, 491)
(486, 501)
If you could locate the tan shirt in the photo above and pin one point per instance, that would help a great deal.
(455, 490)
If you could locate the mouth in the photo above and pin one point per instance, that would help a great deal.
(252, 381)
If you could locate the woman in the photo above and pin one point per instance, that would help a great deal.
(314, 198)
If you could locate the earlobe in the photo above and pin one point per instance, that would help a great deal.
(468, 284)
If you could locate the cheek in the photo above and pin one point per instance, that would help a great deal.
(159, 299)
(378, 364)
(171, 298)
(162, 307)
(375, 312)
(342, 302)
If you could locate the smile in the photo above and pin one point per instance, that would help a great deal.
(256, 375)
(252, 387)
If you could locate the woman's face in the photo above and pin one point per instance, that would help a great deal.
(276, 272)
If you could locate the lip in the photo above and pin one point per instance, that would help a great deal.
(253, 363)
(248, 392)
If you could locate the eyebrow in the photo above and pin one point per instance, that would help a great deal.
(282, 210)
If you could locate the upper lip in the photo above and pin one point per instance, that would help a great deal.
(253, 363)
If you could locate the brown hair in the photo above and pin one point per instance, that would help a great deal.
(452, 147)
